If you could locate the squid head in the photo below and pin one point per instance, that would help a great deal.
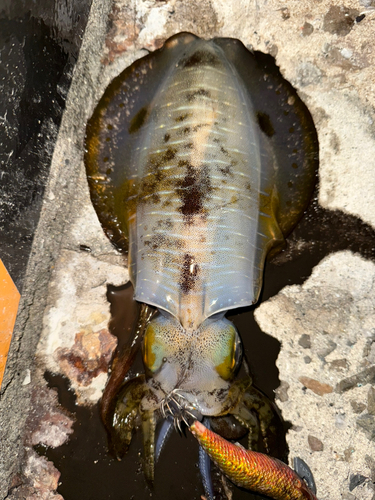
(195, 367)
(188, 374)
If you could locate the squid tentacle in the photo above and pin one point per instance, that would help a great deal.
(148, 433)
(164, 434)
(205, 470)
(125, 416)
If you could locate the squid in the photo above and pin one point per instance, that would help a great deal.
(200, 159)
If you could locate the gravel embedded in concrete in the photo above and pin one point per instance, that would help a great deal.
(330, 399)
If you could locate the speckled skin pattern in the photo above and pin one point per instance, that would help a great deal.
(200, 160)
(251, 470)
(197, 231)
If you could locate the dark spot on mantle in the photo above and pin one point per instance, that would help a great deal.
(227, 170)
(169, 154)
(191, 96)
(181, 118)
(189, 273)
(201, 58)
(158, 240)
(138, 120)
(155, 241)
(224, 151)
(150, 185)
(193, 190)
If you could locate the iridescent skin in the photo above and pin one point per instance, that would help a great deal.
(200, 160)
(251, 470)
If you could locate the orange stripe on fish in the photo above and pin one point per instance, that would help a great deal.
(252, 470)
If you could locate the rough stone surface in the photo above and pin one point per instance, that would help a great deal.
(75, 341)
(55, 213)
(89, 356)
(330, 399)
(39, 480)
(48, 424)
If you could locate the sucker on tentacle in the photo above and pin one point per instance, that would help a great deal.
(179, 408)
(252, 470)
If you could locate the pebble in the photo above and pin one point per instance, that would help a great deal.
(316, 386)
(357, 407)
(305, 341)
(366, 376)
(356, 480)
(367, 423)
(371, 401)
(281, 392)
(307, 29)
(339, 364)
(315, 443)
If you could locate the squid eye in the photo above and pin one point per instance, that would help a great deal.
(155, 348)
(152, 356)
(232, 355)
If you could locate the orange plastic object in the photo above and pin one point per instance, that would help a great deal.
(9, 299)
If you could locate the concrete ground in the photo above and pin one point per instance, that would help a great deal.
(326, 326)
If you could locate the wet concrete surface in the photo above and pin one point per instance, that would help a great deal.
(39, 46)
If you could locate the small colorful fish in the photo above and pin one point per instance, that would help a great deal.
(252, 470)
